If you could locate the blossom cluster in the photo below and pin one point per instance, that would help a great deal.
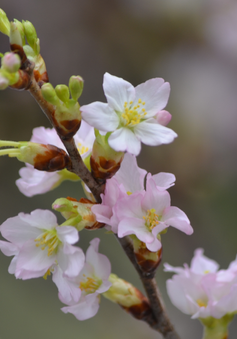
(202, 290)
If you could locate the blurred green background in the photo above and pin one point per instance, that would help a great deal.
(193, 45)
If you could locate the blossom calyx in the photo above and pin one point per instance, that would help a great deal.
(147, 260)
(4, 23)
(105, 161)
(15, 35)
(43, 157)
(128, 297)
(77, 213)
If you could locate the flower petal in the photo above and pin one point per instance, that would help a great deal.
(123, 139)
(117, 91)
(153, 134)
(100, 116)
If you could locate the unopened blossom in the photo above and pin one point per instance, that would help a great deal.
(34, 182)
(128, 180)
(131, 114)
(82, 293)
(201, 290)
(147, 214)
(38, 244)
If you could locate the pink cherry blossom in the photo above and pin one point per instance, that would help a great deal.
(146, 214)
(201, 290)
(128, 180)
(131, 114)
(38, 243)
(34, 182)
(82, 293)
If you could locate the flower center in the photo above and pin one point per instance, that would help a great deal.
(81, 148)
(48, 239)
(89, 285)
(201, 303)
(151, 219)
(133, 114)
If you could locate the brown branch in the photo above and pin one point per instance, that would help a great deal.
(159, 320)
(78, 167)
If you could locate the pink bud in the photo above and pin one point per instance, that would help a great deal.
(11, 62)
(163, 117)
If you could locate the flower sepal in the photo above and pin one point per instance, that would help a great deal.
(128, 297)
(147, 260)
(77, 213)
(216, 328)
(104, 161)
(43, 157)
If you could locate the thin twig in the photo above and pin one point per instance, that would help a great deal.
(159, 321)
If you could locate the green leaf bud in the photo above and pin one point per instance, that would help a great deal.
(4, 23)
(31, 35)
(15, 35)
(76, 84)
(62, 92)
(49, 94)
(4, 82)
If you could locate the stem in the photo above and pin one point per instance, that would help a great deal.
(159, 321)
(78, 166)
(216, 328)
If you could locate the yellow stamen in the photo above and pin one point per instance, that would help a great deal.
(133, 114)
(82, 149)
(90, 285)
(48, 239)
(151, 219)
(201, 303)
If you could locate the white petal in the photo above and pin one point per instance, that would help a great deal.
(71, 260)
(173, 216)
(100, 116)
(99, 261)
(86, 308)
(123, 139)
(117, 91)
(163, 180)
(153, 134)
(67, 234)
(155, 94)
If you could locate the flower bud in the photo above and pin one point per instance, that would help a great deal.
(128, 297)
(43, 157)
(163, 117)
(77, 213)
(11, 62)
(31, 36)
(76, 84)
(4, 23)
(15, 35)
(49, 94)
(105, 161)
(62, 92)
(4, 82)
(20, 28)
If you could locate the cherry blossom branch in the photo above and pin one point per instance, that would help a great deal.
(78, 167)
(159, 320)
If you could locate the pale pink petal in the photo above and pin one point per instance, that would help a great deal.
(130, 175)
(42, 219)
(135, 226)
(117, 91)
(155, 93)
(67, 234)
(200, 264)
(42, 135)
(100, 116)
(162, 180)
(153, 134)
(123, 139)
(8, 248)
(71, 260)
(153, 198)
(173, 216)
(130, 207)
(85, 308)
(103, 213)
(99, 261)
(34, 182)
(68, 290)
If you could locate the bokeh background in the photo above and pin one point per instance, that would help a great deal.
(193, 45)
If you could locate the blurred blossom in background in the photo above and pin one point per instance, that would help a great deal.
(191, 44)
